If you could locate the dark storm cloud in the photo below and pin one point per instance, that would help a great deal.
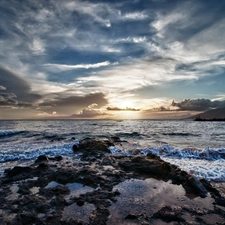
(14, 84)
(122, 109)
(68, 103)
(59, 99)
(10, 99)
(7, 99)
(198, 104)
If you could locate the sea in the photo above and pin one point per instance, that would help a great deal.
(196, 147)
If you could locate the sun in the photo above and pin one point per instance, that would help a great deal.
(128, 110)
(126, 104)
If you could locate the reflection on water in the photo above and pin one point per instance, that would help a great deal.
(78, 212)
(149, 196)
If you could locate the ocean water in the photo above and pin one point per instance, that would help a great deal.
(196, 147)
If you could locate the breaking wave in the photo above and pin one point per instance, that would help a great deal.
(65, 149)
(4, 133)
(167, 151)
(206, 163)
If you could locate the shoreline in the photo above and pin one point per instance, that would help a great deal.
(100, 188)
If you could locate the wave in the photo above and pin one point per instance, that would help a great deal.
(210, 170)
(65, 149)
(168, 151)
(4, 133)
(207, 163)
(174, 153)
(180, 134)
(132, 134)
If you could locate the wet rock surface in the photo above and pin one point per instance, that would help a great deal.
(100, 188)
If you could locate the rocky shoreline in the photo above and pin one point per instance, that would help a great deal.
(100, 188)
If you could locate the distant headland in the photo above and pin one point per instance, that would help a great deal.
(211, 115)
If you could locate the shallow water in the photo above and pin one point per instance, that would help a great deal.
(140, 197)
(78, 212)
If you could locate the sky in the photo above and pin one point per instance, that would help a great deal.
(104, 59)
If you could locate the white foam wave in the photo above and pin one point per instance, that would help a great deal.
(210, 170)
(206, 163)
(4, 133)
(168, 151)
(64, 149)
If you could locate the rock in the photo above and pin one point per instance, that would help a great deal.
(152, 167)
(193, 185)
(220, 201)
(64, 177)
(80, 202)
(75, 148)
(56, 158)
(114, 139)
(210, 188)
(42, 166)
(91, 147)
(29, 218)
(18, 170)
(168, 214)
(42, 158)
(94, 145)
(131, 217)
(178, 176)
(152, 156)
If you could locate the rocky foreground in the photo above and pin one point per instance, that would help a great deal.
(95, 187)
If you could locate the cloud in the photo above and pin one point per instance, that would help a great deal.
(66, 99)
(134, 16)
(135, 74)
(2, 88)
(198, 104)
(90, 112)
(37, 46)
(132, 40)
(66, 103)
(64, 67)
(55, 54)
(121, 109)
(53, 114)
(186, 105)
(15, 84)
(160, 109)
(191, 38)
(10, 99)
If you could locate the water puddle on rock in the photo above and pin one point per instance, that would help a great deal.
(146, 197)
(78, 212)
(76, 189)
(14, 195)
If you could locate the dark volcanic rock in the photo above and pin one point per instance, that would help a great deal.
(131, 217)
(57, 158)
(167, 214)
(145, 166)
(42, 158)
(29, 219)
(18, 170)
(33, 203)
(193, 185)
(210, 188)
(92, 148)
(93, 145)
